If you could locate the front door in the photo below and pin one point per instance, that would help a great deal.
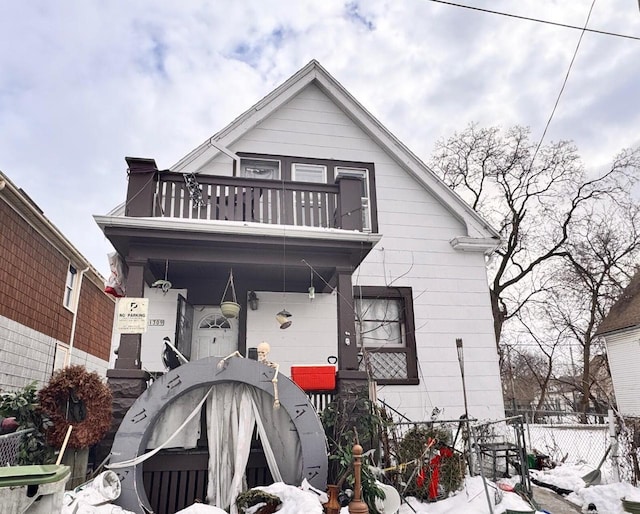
(213, 334)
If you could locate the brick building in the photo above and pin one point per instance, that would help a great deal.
(53, 309)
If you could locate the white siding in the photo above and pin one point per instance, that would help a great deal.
(451, 295)
(162, 306)
(623, 349)
(27, 355)
(312, 336)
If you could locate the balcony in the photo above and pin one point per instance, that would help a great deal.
(165, 194)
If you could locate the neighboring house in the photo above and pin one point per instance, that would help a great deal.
(318, 210)
(53, 310)
(621, 332)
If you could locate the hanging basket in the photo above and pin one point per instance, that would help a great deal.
(230, 308)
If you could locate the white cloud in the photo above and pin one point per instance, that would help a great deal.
(83, 84)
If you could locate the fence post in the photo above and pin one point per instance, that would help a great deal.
(614, 446)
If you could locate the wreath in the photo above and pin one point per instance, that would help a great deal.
(75, 396)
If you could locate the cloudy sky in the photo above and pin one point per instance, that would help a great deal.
(85, 83)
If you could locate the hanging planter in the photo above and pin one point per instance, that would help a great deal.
(230, 308)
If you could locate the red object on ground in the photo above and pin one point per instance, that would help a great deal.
(314, 378)
(445, 453)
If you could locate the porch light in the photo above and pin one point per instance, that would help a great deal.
(253, 300)
(283, 318)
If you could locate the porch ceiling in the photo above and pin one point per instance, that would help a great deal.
(260, 255)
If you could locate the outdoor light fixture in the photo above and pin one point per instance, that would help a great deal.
(283, 318)
(253, 300)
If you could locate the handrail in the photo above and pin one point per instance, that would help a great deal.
(239, 199)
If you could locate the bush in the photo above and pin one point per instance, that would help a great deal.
(23, 405)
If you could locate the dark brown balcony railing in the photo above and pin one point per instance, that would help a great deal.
(165, 194)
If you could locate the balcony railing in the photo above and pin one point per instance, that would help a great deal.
(164, 194)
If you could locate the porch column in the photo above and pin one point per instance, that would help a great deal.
(130, 344)
(126, 381)
(347, 348)
(349, 211)
(141, 187)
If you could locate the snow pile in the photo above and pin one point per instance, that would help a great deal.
(606, 498)
(294, 499)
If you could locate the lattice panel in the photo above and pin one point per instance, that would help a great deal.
(386, 365)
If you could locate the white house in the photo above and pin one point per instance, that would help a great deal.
(308, 208)
(621, 332)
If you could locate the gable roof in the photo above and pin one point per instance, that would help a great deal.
(18, 200)
(625, 313)
(480, 235)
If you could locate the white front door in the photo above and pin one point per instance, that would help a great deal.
(213, 334)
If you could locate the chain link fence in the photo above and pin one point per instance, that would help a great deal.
(9, 447)
(627, 453)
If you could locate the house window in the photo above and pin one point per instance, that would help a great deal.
(72, 274)
(385, 333)
(265, 169)
(215, 321)
(309, 173)
(363, 174)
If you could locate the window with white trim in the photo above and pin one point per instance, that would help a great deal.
(385, 333)
(265, 169)
(72, 275)
(363, 174)
(309, 173)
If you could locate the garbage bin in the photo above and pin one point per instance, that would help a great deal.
(33, 489)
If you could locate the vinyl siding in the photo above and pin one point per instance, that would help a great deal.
(623, 349)
(451, 295)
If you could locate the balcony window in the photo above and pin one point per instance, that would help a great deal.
(265, 169)
(363, 174)
(385, 333)
(309, 173)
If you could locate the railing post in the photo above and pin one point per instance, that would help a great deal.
(349, 209)
(141, 187)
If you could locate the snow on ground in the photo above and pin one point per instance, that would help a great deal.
(606, 498)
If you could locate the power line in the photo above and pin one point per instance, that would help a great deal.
(537, 20)
(564, 83)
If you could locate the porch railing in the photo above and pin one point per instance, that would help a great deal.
(165, 194)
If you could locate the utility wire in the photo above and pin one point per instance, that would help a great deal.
(564, 83)
(537, 20)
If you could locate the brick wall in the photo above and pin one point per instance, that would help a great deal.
(33, 275)
(32, 278)
(95, 321)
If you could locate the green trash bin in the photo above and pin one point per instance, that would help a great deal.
(33, 489)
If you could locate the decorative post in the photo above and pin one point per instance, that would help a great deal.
(357, 506)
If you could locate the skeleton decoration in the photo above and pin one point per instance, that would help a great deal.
(263, 351)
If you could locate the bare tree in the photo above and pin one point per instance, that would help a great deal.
(533, 196)
(600, 258)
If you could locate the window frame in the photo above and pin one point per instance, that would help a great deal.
(363, 174)
(258, 159)
(322, 167)
(405, 295)
(286, 173)
(70, 284)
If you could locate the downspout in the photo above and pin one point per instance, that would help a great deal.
(76, 302)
